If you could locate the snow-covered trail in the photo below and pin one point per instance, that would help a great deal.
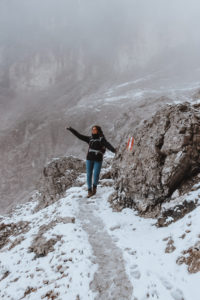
(111, 273)
(102, 255)
(151, 268)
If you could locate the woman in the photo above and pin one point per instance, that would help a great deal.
(97, 147)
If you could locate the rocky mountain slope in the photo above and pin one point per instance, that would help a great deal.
(39, 133)
(164, 158)
(81, 248)
(65, 63)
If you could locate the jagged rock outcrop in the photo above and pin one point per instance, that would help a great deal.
(165, 156)
(191, 257)
(175, 213)
(57, 176)
(12, 229)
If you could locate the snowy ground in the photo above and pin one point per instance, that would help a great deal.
(103, 255)
(67, 271)
(153, 273)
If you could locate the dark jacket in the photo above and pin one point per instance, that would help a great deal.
(97, 145)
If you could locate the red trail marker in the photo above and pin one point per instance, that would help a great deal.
(130, 143)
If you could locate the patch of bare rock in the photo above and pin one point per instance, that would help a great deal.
(191, 257)
(12, 229)
(40, 245)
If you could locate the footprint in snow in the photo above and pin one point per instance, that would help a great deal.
(134, 272)
(177, 294)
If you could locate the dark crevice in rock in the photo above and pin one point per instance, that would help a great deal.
(168, 123)
(181, 175)
(161, 156)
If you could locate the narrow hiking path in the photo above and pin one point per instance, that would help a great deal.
(101, 254)
(110, 281)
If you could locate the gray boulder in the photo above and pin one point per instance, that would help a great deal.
(165, 155)
(59, 175)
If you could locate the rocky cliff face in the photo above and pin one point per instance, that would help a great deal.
(165, 157)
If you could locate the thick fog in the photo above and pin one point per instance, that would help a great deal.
(58, 56)
(126, 32)
(43, 43)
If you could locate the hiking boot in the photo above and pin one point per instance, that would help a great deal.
(90, 193)
(94, 190)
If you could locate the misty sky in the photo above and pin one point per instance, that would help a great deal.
(99, 22)
(127, 31)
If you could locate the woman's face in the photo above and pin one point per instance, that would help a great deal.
(94, 130)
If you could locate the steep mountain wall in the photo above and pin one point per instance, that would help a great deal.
(165, 155)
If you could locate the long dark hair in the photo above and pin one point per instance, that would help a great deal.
(100, 131)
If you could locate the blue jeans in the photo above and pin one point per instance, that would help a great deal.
(90, 166)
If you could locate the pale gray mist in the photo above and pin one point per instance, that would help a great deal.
(119, 35)
(60, 60)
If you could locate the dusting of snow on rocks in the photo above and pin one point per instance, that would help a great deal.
(78, 249)
(62, 272)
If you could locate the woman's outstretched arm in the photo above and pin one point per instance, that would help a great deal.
(108, 145)
(82, 137)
